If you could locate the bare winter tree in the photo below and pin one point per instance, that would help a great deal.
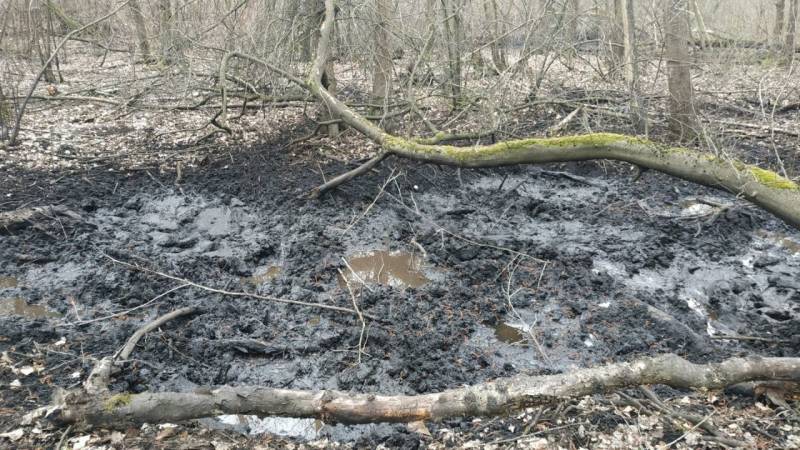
(631, 68)
(496, 35)
(791, 27)
(141, 29)
(676, 51)
(382, 72)
(453, 39)
(777, 32)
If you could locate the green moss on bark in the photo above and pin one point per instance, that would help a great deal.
(118, 401)
(771, 179)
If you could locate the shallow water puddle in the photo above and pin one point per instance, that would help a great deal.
(17, 306)
(396, 269)
(258, 279)
(508, 333)
(7, 282)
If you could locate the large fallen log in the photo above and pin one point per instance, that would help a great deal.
(500, 397)
(764, 188)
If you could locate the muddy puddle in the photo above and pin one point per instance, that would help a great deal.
(509, 333)
(17, 306)
(388, 268)
(7, 282)
(620, 281)
(263, 276)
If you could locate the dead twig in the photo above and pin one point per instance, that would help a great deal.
(361, 343)
(231, 293)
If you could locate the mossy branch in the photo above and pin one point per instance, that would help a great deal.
(762, 187)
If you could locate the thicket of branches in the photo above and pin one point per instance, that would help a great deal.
(490, 58)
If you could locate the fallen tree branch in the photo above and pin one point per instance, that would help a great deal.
(502, 396)
(764, 188)
(97, 381)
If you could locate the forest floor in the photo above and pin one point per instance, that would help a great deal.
(468, 271)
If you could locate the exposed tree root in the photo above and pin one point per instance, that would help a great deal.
(764, 188)
(498, 397)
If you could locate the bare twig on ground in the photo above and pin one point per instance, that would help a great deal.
(361, 343)
(97, 381)
(232, 293)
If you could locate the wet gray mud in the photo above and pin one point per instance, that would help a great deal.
(477, 276)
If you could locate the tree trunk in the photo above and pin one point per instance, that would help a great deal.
(496, 31)
(631, 69)
(453, 33)
(141, 30)
(316, 10)
(573, 11)
(791, 27)
(701, 25)
(777, 32)
(382, 74)
(166, 37)
(676, 47)
(616, 38)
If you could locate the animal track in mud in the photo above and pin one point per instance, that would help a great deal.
(616, 275)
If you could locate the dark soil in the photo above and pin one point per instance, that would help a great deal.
(629, 271)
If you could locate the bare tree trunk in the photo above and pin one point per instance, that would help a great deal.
(701, 25)
(316, 10)
(616, 38)
(676, 47)
(141, 30)
(382, 74)
(453, 33)
(166, 37)
(573, 11)
(777, 32)
(6, 115)
(631, 69)
(496, 31)
(791, 27)
(40, 42)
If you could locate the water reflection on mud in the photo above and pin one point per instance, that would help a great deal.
(396, 269)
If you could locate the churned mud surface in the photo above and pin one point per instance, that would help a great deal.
(473, 275)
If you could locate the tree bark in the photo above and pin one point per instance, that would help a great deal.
(791, 27)
(616, 38)
(382, 74)
(682, 120)
(777, 32)
(496, 31)
(499, 397)
(701, 25)
(631, 69)
(452, 38)
(141, 30)
(169, 45)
